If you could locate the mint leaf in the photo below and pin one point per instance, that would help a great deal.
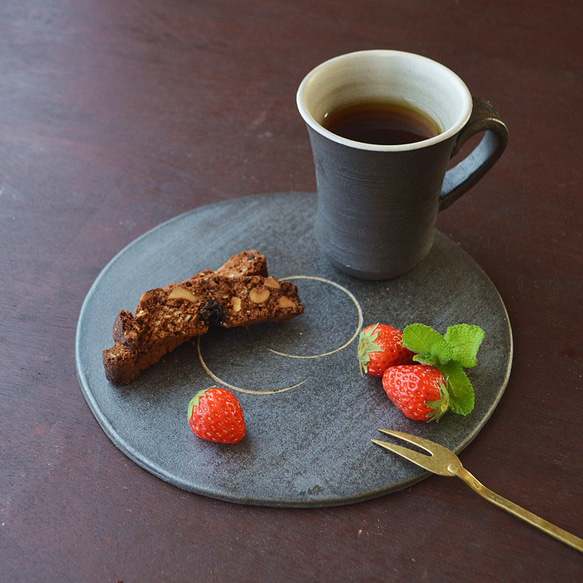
(465, 341)
(430, 346)
(461, 392)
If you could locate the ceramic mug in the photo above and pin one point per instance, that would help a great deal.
(378, 203)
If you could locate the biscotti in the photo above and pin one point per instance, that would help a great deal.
(240, 293)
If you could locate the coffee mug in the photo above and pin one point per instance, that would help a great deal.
(383, 126)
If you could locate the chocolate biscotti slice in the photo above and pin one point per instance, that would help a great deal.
(174, 314)
(240, 293)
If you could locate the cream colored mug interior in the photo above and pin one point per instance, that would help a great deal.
(396, 76)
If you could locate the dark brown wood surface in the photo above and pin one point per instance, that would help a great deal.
(115, 116)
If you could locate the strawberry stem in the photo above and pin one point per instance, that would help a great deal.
(440, 406)
(366, 345)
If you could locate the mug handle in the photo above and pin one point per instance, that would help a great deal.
(465, 174)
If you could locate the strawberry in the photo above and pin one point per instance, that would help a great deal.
(380, 346)
(215, 414)
(418, 390)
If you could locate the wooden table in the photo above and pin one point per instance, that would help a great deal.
(116, 116)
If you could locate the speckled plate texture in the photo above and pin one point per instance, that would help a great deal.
(310, 420)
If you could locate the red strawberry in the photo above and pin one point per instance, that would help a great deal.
(418, 390)
(215, 414)
(380, 346)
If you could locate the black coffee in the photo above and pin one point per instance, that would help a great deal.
(381, 122)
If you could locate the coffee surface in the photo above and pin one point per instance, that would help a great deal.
(381, 122)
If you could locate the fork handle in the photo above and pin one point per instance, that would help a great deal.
(518, 511)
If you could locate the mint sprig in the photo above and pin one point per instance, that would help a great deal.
(450, 353)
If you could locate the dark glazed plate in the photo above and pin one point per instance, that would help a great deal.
(306, 445)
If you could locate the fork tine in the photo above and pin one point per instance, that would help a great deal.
(428, 446)
(437, 461)
(416, 457)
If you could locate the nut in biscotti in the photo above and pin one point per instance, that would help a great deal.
(259, 296)
(240, 293)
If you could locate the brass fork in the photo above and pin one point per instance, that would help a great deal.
(444, 462)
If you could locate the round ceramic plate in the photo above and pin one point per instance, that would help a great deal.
(310, 415)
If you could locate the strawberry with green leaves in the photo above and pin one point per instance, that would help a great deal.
(418, 390)
(216, 414)
(380, 347)
(432, 379)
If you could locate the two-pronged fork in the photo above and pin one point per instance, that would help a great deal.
(444, 462)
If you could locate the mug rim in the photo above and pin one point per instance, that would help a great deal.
(443, 136)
